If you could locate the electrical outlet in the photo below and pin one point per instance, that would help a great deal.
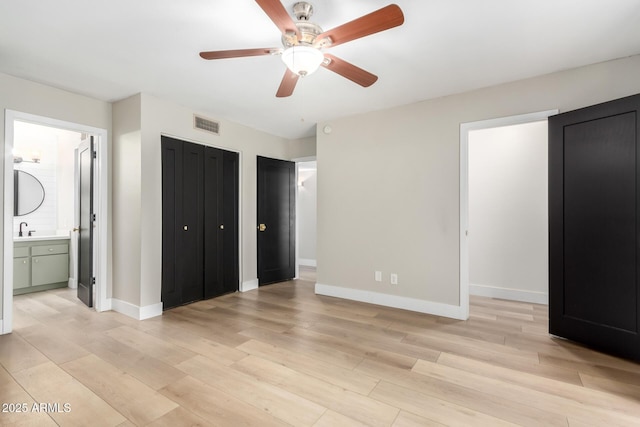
(394, 279)
(378, 276)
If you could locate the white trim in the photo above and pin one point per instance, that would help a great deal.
(509, 294)
(465, 128)
(405, 303)
(137, 312)
(307, 262)
(102, 212)
(249, 285)
(73, 283)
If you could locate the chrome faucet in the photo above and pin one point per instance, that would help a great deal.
(25, 224)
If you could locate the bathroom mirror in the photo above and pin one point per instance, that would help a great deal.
(28, 193)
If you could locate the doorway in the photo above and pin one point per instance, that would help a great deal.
(99, 246)
(468, 131)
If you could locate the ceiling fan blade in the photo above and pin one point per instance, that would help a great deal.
(288, 84)
(380, 20)
(278, 14)
(349, 71)
(238, 53)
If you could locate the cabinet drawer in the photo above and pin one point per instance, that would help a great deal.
(20, 252)
(49, 269)
(49, 249)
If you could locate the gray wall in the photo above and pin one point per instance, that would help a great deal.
(400, 212)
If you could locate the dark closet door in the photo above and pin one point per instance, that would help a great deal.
(214, 226)
(594, 223)
(85, 276)
(230, 193)
(276, 220)
(182, 222)
(199, 222)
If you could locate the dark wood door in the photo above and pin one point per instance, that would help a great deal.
(199, 238)
(594, 223)
(276, 220)
(85, 230)
(221, 243)
(230, 192)
(182, 222)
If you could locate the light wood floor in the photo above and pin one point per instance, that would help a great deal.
(284, 356)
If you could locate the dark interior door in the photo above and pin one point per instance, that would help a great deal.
(276, 220)
(85, 230)
(594, 226)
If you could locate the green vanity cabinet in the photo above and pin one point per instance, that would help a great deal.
(40, 265)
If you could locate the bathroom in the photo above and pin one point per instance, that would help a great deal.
(44, 207)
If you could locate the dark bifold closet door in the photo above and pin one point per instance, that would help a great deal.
(199, 249)
(594, 225)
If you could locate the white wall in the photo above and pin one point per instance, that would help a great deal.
(399, 212)
(307, 206)
(25, 96)
(508, 212)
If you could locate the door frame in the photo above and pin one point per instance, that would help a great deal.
(465, 129)
(297, 161)
(100, 249)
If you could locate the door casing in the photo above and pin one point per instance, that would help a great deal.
(102, 303)
(465, 129)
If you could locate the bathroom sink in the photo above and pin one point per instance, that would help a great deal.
(37, 237)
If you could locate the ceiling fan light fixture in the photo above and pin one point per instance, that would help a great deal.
(302, 60)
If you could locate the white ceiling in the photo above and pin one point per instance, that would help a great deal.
(112, 49)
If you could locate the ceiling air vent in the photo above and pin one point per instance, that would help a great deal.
(206, 125)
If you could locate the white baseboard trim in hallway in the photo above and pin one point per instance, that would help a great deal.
(137, 312)
(405, 303)
(509, 294)
(249, 285)
(307, 262)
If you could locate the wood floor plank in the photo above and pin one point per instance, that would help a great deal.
(353, 405)
(314, 367)
(215, 406)
(407, 419)
(164, 351)
(464, 395)
(432, 409)
(275, 401)
(17, 354)
(48, 383)
(568, 403)
(135, 400)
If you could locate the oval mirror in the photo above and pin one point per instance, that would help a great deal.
(28, 193)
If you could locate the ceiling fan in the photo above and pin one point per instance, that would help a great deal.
(304, 42)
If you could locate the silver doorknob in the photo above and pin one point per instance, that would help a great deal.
(221, 226)
(185, 228)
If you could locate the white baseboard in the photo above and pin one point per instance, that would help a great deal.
(249, 285)
(509, 294)
(307, 262)
(137, 312)
(73, 283)
(2, 328)
(405, 303)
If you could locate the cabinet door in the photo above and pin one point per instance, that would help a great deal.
(21, 273)
(49, 269)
